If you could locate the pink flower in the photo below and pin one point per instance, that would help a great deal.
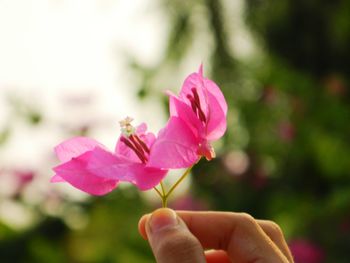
(197, 118)
(90, 167)
(286, 131)
(24, 178)
(304, 251)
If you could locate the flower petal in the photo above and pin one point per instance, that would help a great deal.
(212, 102)
(144, 177)
(175, 147)
(142, 128)
(203, 86)
(74, 147)
(209, 94)
(195, 80)
(56, 179)
(217, 123)
(75, 172)
(106, 165)
(180, 109)
(215, 91)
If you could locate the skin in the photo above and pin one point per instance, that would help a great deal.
(198, 237)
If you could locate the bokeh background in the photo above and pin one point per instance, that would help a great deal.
(77, 67)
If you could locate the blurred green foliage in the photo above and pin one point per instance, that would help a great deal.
(288, 114)
(110, 235)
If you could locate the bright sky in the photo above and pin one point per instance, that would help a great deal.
(57, 50)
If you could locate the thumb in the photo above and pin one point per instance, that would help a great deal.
(170, 239)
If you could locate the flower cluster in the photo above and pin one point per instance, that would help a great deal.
(197, 118)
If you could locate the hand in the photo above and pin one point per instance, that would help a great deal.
(233, 237)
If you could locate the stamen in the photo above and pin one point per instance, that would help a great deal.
(193, 104)
(139, 153)
(126, 122)
(195, 95)
(131, 140)
(197, 103)
(126, 128)
(137, 144)
(201, 115)
(142, 143)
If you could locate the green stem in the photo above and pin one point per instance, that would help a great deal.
(178, 182)
(158, 192)
(163, 188)
(163, 195)
(164, 201)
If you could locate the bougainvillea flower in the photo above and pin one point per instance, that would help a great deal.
(90, 167)
(197, 118)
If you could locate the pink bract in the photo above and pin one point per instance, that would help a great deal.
(197, 118)
(90, 167)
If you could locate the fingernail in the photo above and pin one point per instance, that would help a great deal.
(162, 218)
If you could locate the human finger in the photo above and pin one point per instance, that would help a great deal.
(170, 239)
(217, 256)
(237, 233)
(275, 233)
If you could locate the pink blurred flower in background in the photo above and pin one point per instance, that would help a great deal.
(286, 131)
(344, 225)
(335, 85)
(236, 162)
(259, 179)
(269, 95)
(197, 118)
(14, 181)
(304, 251)
(90, 167)
(24, 179)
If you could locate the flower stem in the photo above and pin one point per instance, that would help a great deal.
(162, 187)
(178, 181)
(164, 201)
(158, 192)
(163, 195)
